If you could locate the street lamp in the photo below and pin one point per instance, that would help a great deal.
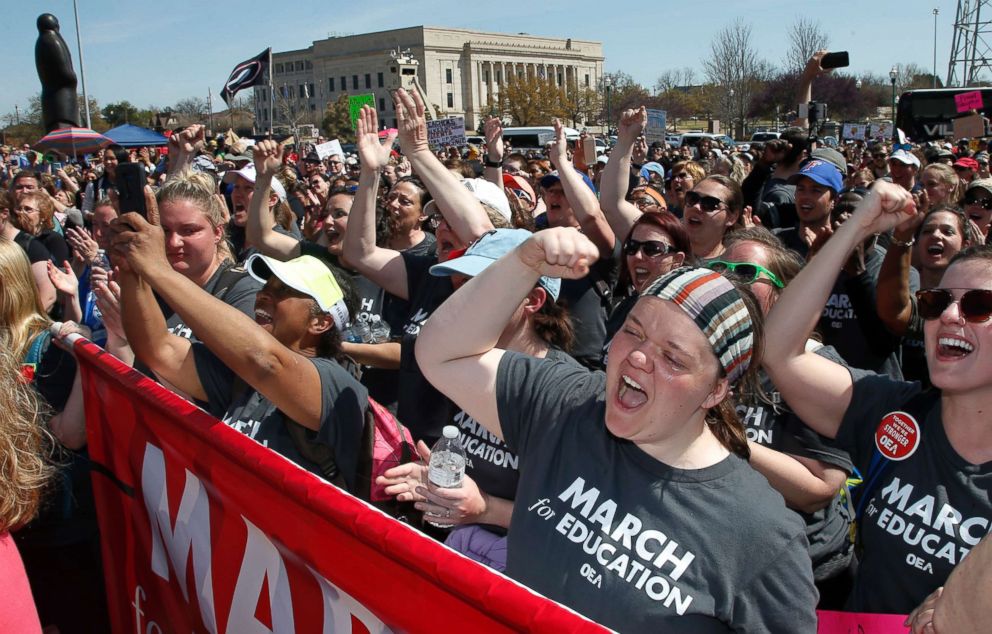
(730, 110)
(935, 12)
(892, 76)
(608, 82)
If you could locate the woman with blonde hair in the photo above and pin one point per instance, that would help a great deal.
(942, 185)
(23, 475)
(61, 549)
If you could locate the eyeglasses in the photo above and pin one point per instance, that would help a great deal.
(650, 248)
(709, 204)
(647, 201)
(984, 203)
(975, 304)
(747, 272)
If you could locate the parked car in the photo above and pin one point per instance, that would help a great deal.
(535, 138)
(762, 137)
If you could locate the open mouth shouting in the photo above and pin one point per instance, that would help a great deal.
(953, 347)
(631, 395)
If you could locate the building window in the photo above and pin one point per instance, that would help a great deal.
(379, 78)
(313, 93)
(485, 76)
(382, 104)
(499, 77)
(330, 84)
(587, 80)
(278, 69)
(313, 107)
(447, 75)
(302, 91)
(451, 100)
(309, 65)
(344, 83)
(368, 81)
(559, 79)
(299, 66)
(354, 82)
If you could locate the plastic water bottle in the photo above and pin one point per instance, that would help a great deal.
(447, 467)
(359, 332)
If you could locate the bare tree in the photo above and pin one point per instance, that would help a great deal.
(678, 79)
(192, 107)
(736, 71)
(805, 38)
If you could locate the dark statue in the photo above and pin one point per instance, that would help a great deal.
(59, 106)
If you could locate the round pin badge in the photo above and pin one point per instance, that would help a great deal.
(897, 436)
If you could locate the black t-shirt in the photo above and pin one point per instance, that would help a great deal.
(37, 252)
(427, 246)
(57, 246)
(925, 513)
(850, 321)
(630, 542)
(421, 407)
(587, 307)
(342, 411)
(778, 204)
(240, 293)
(493, 467)
(770, 423)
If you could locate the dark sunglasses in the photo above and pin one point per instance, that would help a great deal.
(709, 204)
(650, 248)
(975, 304)
(747, 272)
(984, 203)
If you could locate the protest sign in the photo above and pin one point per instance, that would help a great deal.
(655, 129)
(355, 103)
(880, 130)
(966, 101)
(442, 132)
(971, 126)
(330, 148)
(853, 131)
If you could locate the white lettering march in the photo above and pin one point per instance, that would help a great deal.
(175, 541)
(621, 545)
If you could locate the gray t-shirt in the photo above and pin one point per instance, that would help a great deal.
(925, 513)
(630, 542)
(342, 411)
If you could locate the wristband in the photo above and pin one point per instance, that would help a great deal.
(489, 163)
(901, 244)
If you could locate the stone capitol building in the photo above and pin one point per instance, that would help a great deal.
(460, 71)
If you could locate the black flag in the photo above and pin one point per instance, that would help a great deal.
(248, 73)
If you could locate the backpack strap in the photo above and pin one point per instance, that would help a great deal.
(37, 350)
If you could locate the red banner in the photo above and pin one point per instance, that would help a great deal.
(204, 530)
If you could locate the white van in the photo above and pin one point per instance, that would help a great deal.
(535, 138)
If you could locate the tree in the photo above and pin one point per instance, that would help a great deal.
(736, 70)
(675, 94)
(120, 113)
(532, 100)
(192, 107)
(583, 104)
(805, 38)
(336, 123)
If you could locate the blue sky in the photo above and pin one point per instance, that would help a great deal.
(157, 53)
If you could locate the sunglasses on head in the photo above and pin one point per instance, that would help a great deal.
(650, 248)
(708, 204)
(975, 304)
(984, 203)
(747, 272)
(645, 201)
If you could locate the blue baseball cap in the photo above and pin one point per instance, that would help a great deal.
(652, 166)
(490, 247)
(822, 172)
(553, 178)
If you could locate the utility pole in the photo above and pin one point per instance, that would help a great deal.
(17, 114)
(82, 68)
(210, 111)
(935, 12)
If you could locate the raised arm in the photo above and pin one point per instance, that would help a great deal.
(810, 72)
(286, 378)
(583, 200)
(893, 299)
(183, 147)
(818, 390)
(383, 266)
(456, 348)
(461, 209)
(807, 485)
(493, 129)
(615, 178)
(258, 229)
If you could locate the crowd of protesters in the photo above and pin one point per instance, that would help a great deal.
(686, 356)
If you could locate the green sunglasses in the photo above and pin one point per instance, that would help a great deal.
(747, 272)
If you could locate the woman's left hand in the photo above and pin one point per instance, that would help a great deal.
(64, 280)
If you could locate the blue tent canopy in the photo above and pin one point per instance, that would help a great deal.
(128, 135)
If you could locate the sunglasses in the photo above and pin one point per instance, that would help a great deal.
(975, 304)
(647, 201)
(650, 248)
(747, 272)
(709, 204)
(984, 203)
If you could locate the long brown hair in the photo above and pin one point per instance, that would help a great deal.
(24, 472)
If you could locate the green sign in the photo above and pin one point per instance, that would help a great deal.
(355, 103)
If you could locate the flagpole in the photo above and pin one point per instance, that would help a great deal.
(82, 70)
(272, 97)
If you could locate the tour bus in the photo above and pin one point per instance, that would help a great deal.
(535, 138)
(925, 115)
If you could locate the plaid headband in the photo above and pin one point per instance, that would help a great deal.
(716, 306)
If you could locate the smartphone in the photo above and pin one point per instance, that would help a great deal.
(56, 166)
(589, 150)
(835, 60)
(130, 182)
